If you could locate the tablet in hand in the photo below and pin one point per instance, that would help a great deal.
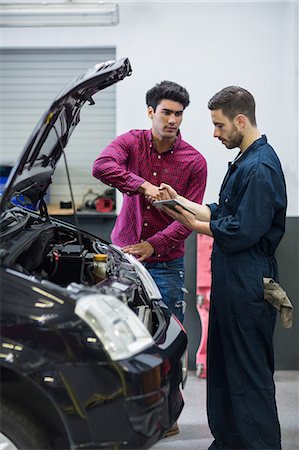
(171, 204)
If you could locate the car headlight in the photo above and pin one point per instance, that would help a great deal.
(122, 334)
(146, 278)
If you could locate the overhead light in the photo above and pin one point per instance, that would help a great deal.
(58, 14)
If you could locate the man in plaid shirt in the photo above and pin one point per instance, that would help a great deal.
(136, 163)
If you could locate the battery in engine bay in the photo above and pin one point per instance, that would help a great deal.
(65, 263)
(72, 252)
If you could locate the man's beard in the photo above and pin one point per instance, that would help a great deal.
(234, 139)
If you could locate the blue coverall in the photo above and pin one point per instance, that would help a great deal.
(247, 225)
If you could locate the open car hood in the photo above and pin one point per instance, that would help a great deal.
(30, 177)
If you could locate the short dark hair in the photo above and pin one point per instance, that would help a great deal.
(167, 90)
(234, 100)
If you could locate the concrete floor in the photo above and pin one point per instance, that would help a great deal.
(194, 431)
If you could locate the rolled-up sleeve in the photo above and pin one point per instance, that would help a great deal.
(214, 210)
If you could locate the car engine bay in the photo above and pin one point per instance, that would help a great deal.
(54, 252)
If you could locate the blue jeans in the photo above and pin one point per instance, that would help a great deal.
(169, 277)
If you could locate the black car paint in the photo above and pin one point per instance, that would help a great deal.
(85, 386)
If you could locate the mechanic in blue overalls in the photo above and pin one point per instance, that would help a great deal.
(247, 225)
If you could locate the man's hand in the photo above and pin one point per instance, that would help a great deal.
(201, 212)
(149, 190)
(189, 220)
(166, 192)
(181, 215)
(142, 251)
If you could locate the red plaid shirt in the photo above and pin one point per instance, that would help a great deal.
(129, 161)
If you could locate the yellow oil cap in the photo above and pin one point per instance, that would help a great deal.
(99, 257)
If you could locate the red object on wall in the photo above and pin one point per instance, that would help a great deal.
(104, 204)
(203, 290)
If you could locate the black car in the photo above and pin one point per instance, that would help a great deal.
(90, 356)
